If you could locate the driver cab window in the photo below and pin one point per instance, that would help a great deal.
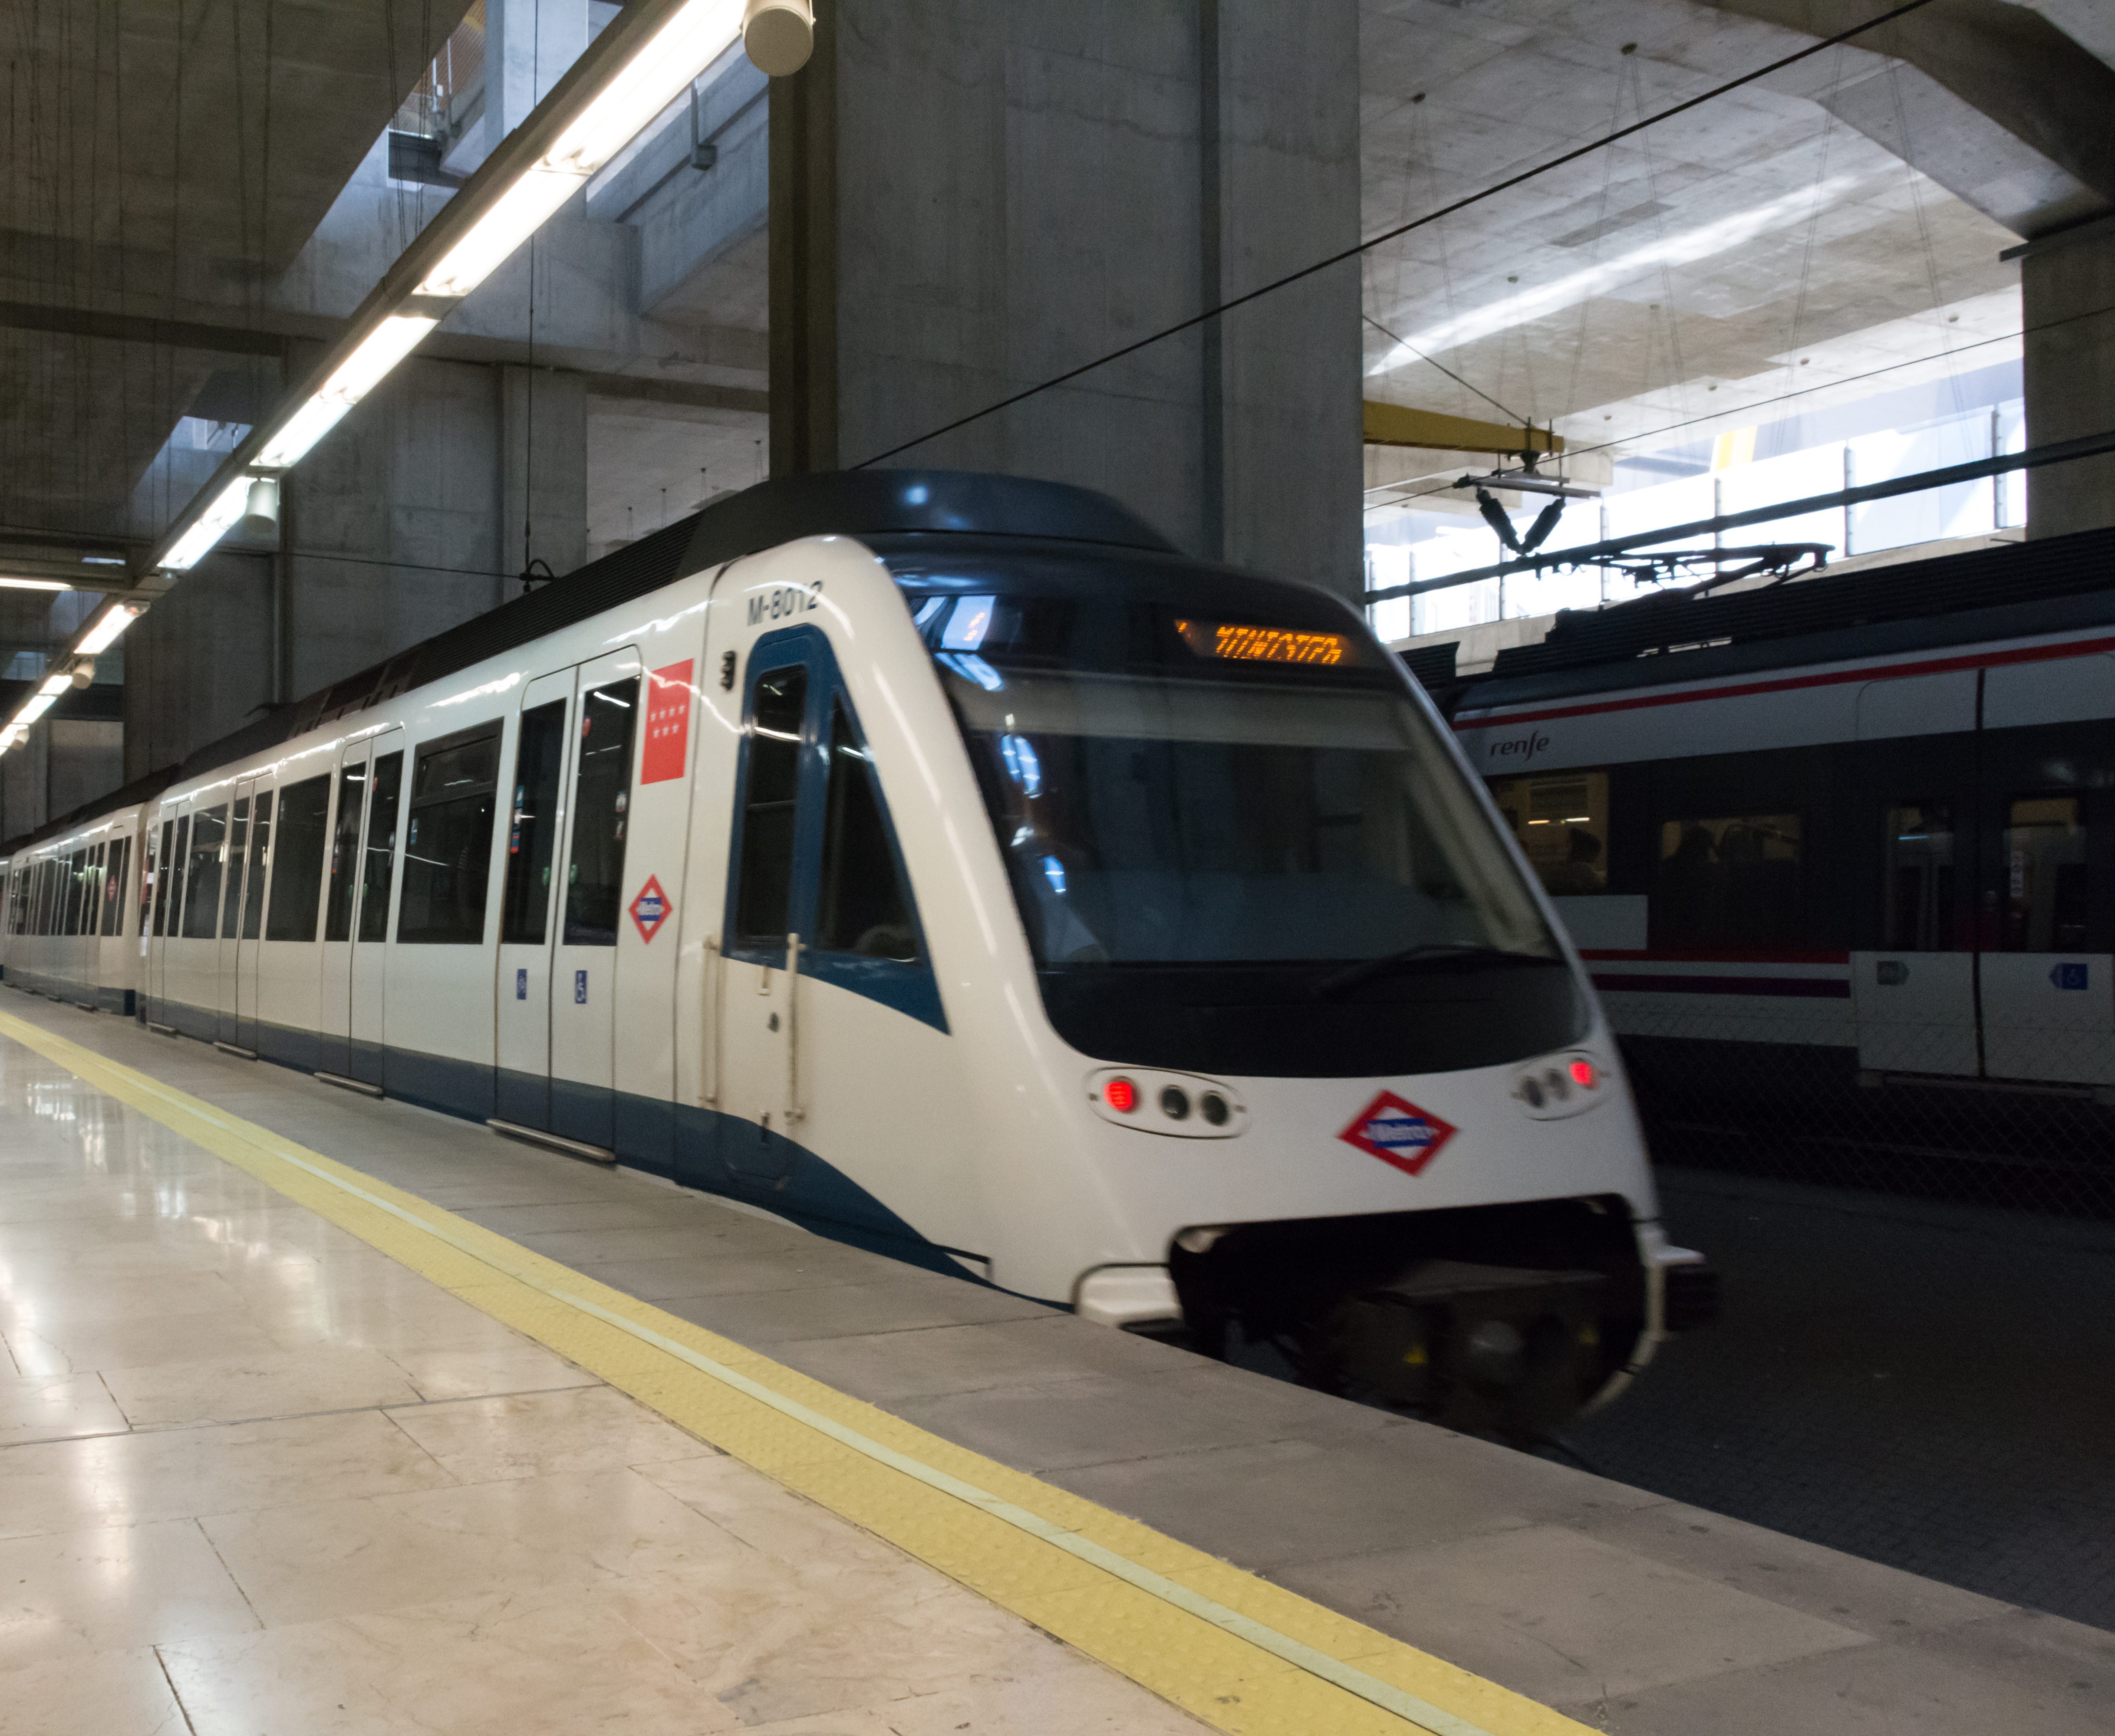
(763, 901)
(862, 907)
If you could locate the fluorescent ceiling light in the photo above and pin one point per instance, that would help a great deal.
(515, 215)
(104, 633)
(39, 704)
(350, 381)
(34, 584)
(650, 80)
(56, 685)
(1685, 248)
(194, 544)
(647, 84)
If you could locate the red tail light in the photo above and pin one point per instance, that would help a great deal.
(1584, 1075)
(1120, 1095)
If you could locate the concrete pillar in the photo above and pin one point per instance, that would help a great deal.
(199, 666)
(544, 469)
(25, 781)
(407, 520)
(86, 760)
(394, 526)
(2068, 304)
(970, 196)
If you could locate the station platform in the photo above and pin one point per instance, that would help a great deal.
(323, 1414)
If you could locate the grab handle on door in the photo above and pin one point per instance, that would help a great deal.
(794, 1110)
(709, 1008)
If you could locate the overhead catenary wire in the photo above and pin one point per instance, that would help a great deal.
(1344, 254)
(1592, 554)
(1721, 415)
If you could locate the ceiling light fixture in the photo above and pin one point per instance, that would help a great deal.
(648, 54)
(104, 634)
(34, 584)
(1686, 247)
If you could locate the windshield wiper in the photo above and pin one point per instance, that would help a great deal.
(1366, 969)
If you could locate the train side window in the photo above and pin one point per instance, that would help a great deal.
(1730, 881)
(2045, 880)
(1561, 822)
(84, 890)
(238, 843)
(260, 855)
(345, 851)
(769, 801)
(447, 850)
(532, 833)
(862, 906)
(378, 875)
(178, 866)
(114, 884)
(164, 872)
(76, 881)
(602, 792)
(297, 859)
(1917, 886)
(202, 908)
(93, 893)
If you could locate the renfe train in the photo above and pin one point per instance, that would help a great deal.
(1849, 833)
(943, 862)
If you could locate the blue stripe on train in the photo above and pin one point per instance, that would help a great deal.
(701, 1148)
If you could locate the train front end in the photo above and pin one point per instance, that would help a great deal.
(1335, 1087)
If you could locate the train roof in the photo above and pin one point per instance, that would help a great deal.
(899, 504)
(2007, 591)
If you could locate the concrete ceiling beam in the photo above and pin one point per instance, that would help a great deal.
(2005, 61)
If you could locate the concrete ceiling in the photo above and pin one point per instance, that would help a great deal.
(165, 153)
(1771, 242)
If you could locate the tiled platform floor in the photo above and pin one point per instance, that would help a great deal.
(255, 1476)
(1631, 1612)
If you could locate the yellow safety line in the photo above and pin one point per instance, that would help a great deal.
(1242, 1653)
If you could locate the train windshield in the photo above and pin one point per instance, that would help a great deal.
(1221, 807)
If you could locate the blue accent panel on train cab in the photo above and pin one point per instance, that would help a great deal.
(455, 1088)
(901, 987)
(523, 1098)
(366, 1060)
(811, 1191)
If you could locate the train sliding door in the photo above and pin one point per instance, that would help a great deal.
(584, 981)
(1915, 993)
(2047, 929)
(535, 823)
(369, 964)
(257, 856)
(334, 1010)
(756, 1035)
(820, 926)
(235, 863)
(1996, 927)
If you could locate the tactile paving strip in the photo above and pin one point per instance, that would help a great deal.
(1234, 1651)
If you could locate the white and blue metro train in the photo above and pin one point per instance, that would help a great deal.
(946, 863)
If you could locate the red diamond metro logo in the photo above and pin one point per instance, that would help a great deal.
(649, 909)
(1398, 1132)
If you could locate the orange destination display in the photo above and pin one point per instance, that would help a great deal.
(1246, 644)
